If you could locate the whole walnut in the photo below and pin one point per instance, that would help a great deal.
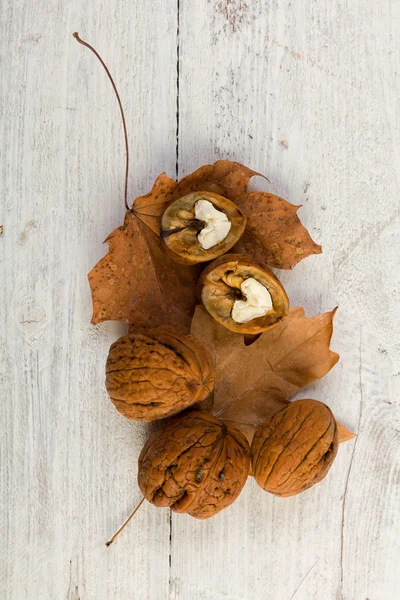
(196, 464)
(295, 448)
(201, 226)
(154, 376)
(241, 295)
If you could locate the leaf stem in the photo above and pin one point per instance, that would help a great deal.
(126, 523)
(76, 36)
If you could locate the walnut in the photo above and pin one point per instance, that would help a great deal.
(241, 295)
(197, 465)
(201, 226)
(294, 449)
(153, 376)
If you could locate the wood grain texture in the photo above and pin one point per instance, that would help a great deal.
(69, 460)
(304, 92)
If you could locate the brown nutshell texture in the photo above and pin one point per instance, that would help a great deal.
(197, 465)
(154, 376)
(180, 228)
(219, 287)
(294, 449)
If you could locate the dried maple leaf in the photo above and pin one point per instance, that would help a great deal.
(344, 434)
(149, 208)
(138, 283)
(225, 177)
(274, 234)
(253, 382)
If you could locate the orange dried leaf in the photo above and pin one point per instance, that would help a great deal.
(227, 178)
(253, 382)
(274, 234)
(344, 434)
(149, 208)
(137, 282)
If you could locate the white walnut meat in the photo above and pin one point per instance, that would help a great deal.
(294, 449)
(241, 295)
(157, 375)
(196, 464)
(201, 226)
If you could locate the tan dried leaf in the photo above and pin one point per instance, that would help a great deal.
(344, 435)
(253, 382)
(226, 178)
(274, 234)
(137, 282)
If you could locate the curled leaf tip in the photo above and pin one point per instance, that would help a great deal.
(344, 435)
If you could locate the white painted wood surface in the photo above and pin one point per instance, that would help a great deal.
(306, 92)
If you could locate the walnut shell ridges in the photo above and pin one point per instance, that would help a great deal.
(197, 465)
(220, 285)
(294, 449)
(180, 228)
(154, 376)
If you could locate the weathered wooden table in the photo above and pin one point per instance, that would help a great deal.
(305, 92)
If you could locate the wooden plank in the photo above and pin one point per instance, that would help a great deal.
(303, 92)
(69, 460)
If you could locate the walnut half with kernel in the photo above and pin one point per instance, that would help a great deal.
(196, 464)
(241, 295)
(201, 226)
(154, 376)
(294, 449)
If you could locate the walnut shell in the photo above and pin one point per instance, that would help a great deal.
(180, 228)
(219, 288)
(294, 449)
(196, 464)
(154, 376)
